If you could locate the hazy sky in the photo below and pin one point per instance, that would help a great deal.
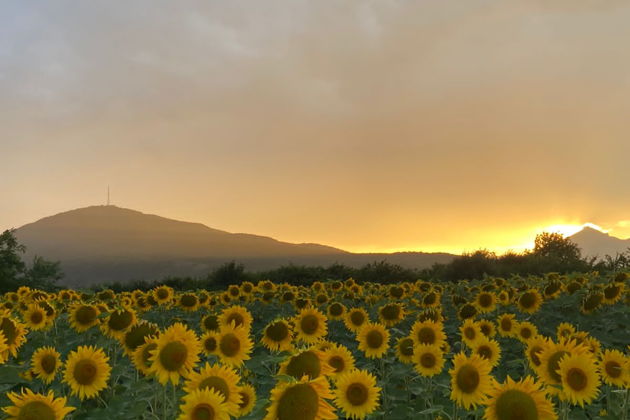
(367, 125)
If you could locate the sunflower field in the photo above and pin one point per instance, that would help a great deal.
(537, 348)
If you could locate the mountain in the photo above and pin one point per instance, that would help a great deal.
(595, 243)
(107, 243)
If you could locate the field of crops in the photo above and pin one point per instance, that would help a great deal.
(526, 349)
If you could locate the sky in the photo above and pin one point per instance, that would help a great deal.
(367, 125)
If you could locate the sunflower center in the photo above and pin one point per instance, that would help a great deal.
(237, 318)
(230, 345)
(357, 318)
(218, 384)
(48, 363)
(577, 379)
(470, 333)
(357, 394)
(298, 402)
(613, 369)
(391, 312)
(467, 379)
(85, 315)
(533, 354)
(119, 321)
(337, 363)
(309, 324)
(527, 300)
(406, 347)
(277, 331)
(430, 299)
(173, 356)
(485, 300)
(428, 360)
(506, 324)
(37, 317)
(306, 363)
(374, 339)
(202, 412)
(135, 337)
(516, 405)
(211, 322)
(244, 400)
(162, 294)
(484, 351)
(336, 309)
(146, 353)
(36, 410)
(210, 344)
(426, 335)
(553, 365)
(485, 329)
(189, 301)
(8, 329)
(593, 301)
(85, 372)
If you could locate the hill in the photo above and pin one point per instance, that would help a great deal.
(108, 243)
(595, 243)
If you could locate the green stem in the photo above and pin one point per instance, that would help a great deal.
(624, 406)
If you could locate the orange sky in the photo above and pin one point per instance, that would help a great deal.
(367, 125)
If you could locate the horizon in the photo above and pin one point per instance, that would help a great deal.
(367, 126)
(566, 230)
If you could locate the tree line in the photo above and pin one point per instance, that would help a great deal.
(551, 253)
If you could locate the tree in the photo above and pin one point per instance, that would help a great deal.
(555, 245)
(14, 272)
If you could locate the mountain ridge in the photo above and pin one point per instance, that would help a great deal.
(595, 243)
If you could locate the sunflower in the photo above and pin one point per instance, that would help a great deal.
(45, 362)
(613, 292)
(188, 302)
(373, 340)
(550, 357)
(530, 301)
(612, 368)
(428, 332)
(488, 349)
(357, 394)
(163, 294)
(135, 336)
(277, 336)
(304, 400)
(209, 343)
(522, 400)
(14, 335)
(467, 310)
(310, 325)
(82, 317)
(204, 404)
(470, 380)
(310, 362)
(470, 332)
(339, 358)
(29, 405)
(486, 302)
(210, 322)
(238, 315)
(355, 318)
(404, 349)
(535, 346)
(336, 311)
(142, 355)
(525, 331)
(176, 353)
(391, 314)
(87, 371)
(4, 349)
(36, 318)
(565, 330)
(580, 378)
(234, 345)
(591, 302)
(428, 359)
(248, 400)
(119, 322)
(487, 328)
(219, 378)
(507, 325)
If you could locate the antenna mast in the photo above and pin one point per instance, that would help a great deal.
(108, 195)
